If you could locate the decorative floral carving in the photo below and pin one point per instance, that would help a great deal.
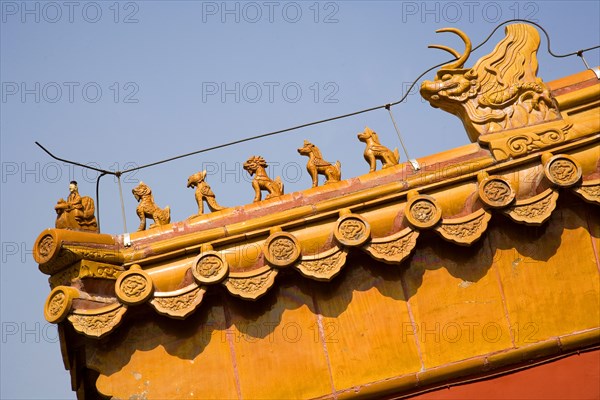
(134, 286)
(352, 230)
(98, 322)
(323, 266)
(210, 267)
(534, 211)
(589, 191)
(496, 192)
(178, 304)
(423, 212)
(394, 248)
(465, 230)
(563, 170)
(251, 285)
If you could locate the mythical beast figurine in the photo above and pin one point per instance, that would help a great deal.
(148, 208)
(256, 167)
(203, 192)
(317, 165)
(500, 92)
(376, 151)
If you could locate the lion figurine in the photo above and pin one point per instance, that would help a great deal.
(148, 208)
(256, 167)
(203, 192)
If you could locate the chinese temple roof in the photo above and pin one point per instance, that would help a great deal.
(532, 142)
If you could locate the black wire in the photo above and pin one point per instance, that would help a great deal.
(254, 138)
(387, 106)
(74, 162)
(578, 53)
(98, 199)
(575, 53)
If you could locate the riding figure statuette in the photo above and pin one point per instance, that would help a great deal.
(76, 212)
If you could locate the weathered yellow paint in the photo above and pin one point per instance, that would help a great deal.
(549, 275)
(152, 360)
(456, 302)
(277, 349)
(363, 320)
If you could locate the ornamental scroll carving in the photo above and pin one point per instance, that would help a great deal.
(520, 142)
(422, 211)
(58, 304)
(209, 268)
(589, 191)
(496, 191)
(535, 210)
(465, 230)
(85, 269)
(502, 91)
(54, 249)
(251, 285)
(98, 322)
(134, 286)
(323, 266)
(90, 269)
(64, 277)
(282, 249)
(562, 170)
(49, 253)
(180, 303)
(352, 230)
(393, 249)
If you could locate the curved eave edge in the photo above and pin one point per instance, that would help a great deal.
(286, 250)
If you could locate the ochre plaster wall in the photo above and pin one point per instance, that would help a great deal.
(376, 328)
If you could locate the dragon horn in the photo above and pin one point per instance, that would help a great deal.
(461, 59)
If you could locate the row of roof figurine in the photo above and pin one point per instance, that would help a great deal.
(77, 212)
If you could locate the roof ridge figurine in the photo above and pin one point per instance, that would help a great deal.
(376, 151)
(502, 90)
(203, 192)
(76, 212)
(148, 208)
(317, 165)
(256, 167)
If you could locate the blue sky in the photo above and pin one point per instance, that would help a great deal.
(122, 84)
